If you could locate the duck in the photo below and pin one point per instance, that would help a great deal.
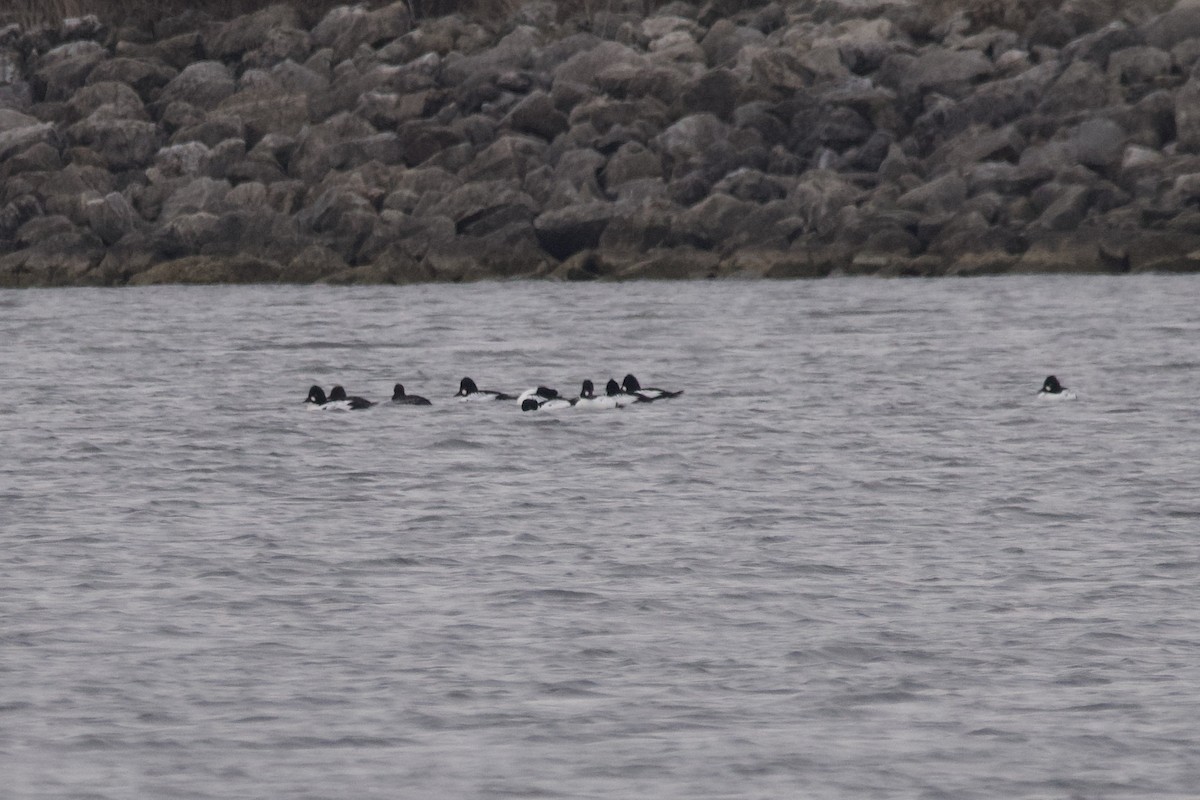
(543, 398)
(1054, 390)
(631, 386)
(337, 400)
(622, 398)
(588, 398)
(400, 398)
(467, 390)
(338, 395)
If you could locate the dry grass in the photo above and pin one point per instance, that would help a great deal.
(34, 13)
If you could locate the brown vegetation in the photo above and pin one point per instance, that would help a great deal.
(32, 13)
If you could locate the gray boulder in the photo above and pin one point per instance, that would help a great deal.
(949, 72)
(1177, 25)
(725, 40)
(483, 206)
(1187, 116)
(236, 37)
(1067, 208)
(942, 194)
(143, 76)
(537, 115)
(345, 28)
(566, 231)
(123, 143)
(710, 222)
(1082, 85)
(631, 162)
(584, 67)
(266, 110)
(61, 71)
(110, 216)
(690, 142)
(199, 194)
(203, 84)
(1099, 143)
(21, 137)
(122, 101)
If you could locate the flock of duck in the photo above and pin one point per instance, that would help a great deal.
(542, 398)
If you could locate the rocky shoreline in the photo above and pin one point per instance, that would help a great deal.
(779, 139)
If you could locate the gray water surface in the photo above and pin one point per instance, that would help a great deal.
(858, 558)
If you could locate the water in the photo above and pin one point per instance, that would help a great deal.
(856, 559)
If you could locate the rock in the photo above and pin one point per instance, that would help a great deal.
(174, 51)
(16, 139)
(509, 156)
(725, 40)
(421, 140)
(1169, 29)
(1187, 116)
(676, 263)
(315, 151)
(715, 91)
(537, 115)
(752, 186)
(123, 143)
(941, 195)
(980, 144)
(566, 231)
(345, 28)
(122, 101)
(632, 161)
(1099, 143)
(1082, 85)
(41, 157)
(314, 263)
(209, 270)
(199, 194)
(186, 233)
(780, 71)
(266, 110)
(1140, 69)
(949, 72)
(236, 37)
(110, 217)
(584, 67)
(485, 206)
(145, 77)
(204, 85)
(690, 142)
(1071, 251)
(1068, 208)
(179, 160)
(65, 191)
(61, 71)
(710, 222)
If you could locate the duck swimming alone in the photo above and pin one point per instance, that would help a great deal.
(1053, 390)
(467, 390)
(400, 398)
